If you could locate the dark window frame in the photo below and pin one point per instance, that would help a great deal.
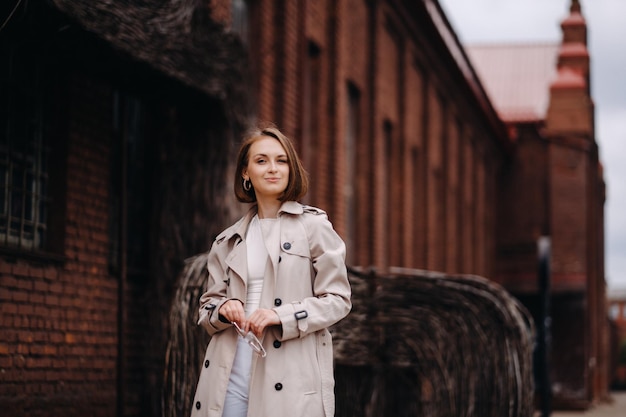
(33, 116)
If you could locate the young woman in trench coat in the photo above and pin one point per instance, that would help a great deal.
(280, 273)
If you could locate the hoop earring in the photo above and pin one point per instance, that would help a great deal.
(247, 185)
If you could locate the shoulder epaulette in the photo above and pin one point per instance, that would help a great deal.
(313, 210)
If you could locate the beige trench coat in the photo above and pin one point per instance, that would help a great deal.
(306, 284)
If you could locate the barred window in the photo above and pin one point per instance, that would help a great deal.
(23, 196)
(23, 152)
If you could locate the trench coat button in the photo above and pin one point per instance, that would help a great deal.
(277, 344)
(277, 302)
(198, 405)
(286, 246)
(277, 387)
(206, 363)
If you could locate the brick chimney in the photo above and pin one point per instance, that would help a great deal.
(571, 109)
(571, 153)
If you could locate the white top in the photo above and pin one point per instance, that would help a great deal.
(257, 255)
(257, 260)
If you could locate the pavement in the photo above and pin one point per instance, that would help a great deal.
(616, 407)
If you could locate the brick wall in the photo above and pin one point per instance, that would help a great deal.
(523, 192)
(423, 183)
(59, 322)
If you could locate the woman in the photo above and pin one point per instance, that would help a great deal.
(279, 273)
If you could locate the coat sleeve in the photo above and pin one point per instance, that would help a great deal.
(331, 288)
(215, 296)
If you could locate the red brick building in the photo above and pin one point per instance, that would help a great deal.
(113, 154)
(553, 186)
(401, 141)
(617, 315)
(412, 159)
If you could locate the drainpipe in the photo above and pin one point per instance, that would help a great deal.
(119, 121)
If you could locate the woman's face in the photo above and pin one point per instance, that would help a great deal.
(268, 168)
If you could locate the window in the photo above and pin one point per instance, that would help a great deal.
(311, 99)
(23, 193)
(351, 139)
(387, 192)
(24, 132)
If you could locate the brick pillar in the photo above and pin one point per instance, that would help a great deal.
(573, 193)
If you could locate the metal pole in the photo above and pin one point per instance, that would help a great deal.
(121, 109)
(545, 324)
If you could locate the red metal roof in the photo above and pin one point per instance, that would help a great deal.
(517, 77)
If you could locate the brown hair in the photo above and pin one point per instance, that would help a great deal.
(298, 183)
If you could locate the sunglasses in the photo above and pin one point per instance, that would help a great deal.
(252, 340)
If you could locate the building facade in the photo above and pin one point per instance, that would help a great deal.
(112, 165)
(553, 186)
(401, 142)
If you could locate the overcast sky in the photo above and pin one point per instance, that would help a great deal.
(497, 21)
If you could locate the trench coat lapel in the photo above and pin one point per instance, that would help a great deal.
(237, 258)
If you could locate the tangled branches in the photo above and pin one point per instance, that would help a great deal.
(419, 343)
(186, 345)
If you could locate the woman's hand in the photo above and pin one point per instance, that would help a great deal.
(260, 319)
(232, 310)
